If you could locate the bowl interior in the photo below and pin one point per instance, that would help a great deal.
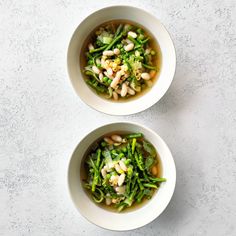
(158, 31)
(130, 219)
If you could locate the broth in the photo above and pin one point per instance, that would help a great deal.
(84, 174)
(156, 60)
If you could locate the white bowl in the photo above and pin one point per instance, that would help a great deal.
(149, 22)
(131, 219)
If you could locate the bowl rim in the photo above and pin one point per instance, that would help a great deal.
(154, 101)
(94, 130)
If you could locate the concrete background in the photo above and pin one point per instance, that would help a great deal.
(42, 119)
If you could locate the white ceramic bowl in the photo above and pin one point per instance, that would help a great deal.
(149, 22)
(131, 219)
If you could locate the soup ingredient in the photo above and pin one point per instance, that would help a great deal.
(120, 61)
(122, 170)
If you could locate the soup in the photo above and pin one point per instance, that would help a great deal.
(121, 171)
(121, 60)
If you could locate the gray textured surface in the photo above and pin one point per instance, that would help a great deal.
(41, 118)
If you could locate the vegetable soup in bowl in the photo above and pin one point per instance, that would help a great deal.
(121, 60)
(119, 173)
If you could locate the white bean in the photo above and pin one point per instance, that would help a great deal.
(132, 34)
(116, 138)
(145, 76)
(108, 201)
(103, 172)
(108, 53)
(115, 95)
(116, 51)
(118, 91)
(122, 165)
(105, 167)
(107, 75)
(114, 200)
(118, 74)
(103, 64)
(114, 179)
(95, 70)
(114, 82)
(109, 71)
(128, 41)
(124, 90)
(100, 76)
(90, 47)
(121, 179)
(117, 167)
(110, 165)
(126, 75)
(120, 190)
(108, 140)
(129, 47)
(130, 91)
(98, 61)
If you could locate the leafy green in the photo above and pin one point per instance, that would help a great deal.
(148, 147)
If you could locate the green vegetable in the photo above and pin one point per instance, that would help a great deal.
(133, 145)
(149, 162)
(148, 147)
(107, 40)
(99, 89)
(133, 62)
(149, 67)
(157, 179)
(136, 135)
(113, 42)
(98, 196)
(98, 49)
(138, 161)
(104, 165)
(150, 185)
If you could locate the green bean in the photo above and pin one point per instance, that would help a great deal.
(140, 156)
(130, 172)
(101, 165)
(140, 184)
(149, 67)
(150, 185)
(98, 49)
(118, 30)
(98, 157)
(113, 42)
(95, 177)
(140, 196)
(157, 179)
(90, 73)
(96, 87)
(144, 41)
(136, 43)
(139, 163)
(98, 197)
(122, 206)
(133, 145)
(135, 135)
(127, 189)
(129, 200)
(140, 31)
